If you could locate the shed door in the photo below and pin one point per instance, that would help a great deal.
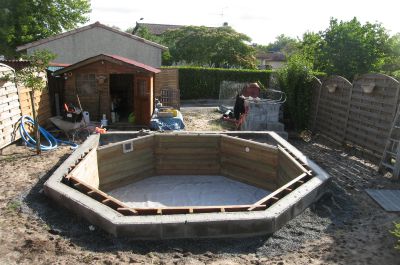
(142, 100)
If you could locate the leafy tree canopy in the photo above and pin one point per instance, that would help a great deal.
(283, 43)
(348, 48)
(24, 21)
(220, 47)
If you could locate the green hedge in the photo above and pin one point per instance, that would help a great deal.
(203, 83)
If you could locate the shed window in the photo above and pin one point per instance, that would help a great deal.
(86, 84)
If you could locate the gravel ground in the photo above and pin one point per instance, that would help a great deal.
(344, 227)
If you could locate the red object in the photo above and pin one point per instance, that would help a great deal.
(251, 90)
(238, 122)
(100, 130)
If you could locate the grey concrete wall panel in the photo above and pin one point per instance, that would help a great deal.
(97, 40)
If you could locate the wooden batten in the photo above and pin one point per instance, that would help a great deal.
(276, 195)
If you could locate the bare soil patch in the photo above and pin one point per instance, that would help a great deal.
(344, 227)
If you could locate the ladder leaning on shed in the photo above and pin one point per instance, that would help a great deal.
(391, 155)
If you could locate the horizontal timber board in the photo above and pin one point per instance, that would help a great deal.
(253, 154)
(123, 174)
(263, 183)
(132, 166)
(229, 140)
(126, 180)
(185, 151)
(114, 155)
(187, 172)
(250, 164)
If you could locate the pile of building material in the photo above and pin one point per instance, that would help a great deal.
(263, 115)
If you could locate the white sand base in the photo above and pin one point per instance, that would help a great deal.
(190, 190)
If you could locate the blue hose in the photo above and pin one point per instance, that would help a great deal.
(52, 141)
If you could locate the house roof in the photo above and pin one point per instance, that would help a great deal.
(94, 25)
(158, 29)
(109, 58)
(271, 56)
(16, 64)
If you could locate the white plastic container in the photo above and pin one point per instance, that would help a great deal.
(104, 121)
(86, 117)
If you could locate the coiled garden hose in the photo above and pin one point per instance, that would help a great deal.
(51, 140)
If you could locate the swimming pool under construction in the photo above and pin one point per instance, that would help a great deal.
(187, 184)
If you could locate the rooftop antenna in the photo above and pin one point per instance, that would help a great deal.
(222, 11)
(137, 26)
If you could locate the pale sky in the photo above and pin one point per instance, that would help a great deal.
(261, 20)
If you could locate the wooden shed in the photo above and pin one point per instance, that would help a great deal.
(105, 80)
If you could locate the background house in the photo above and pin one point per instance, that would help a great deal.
(158, 29)
(88, 41)
(273, 60)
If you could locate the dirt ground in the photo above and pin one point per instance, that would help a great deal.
(344, 227)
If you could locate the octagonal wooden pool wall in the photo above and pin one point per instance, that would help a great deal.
(83, 180)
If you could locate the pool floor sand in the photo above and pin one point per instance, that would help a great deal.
(187, 190)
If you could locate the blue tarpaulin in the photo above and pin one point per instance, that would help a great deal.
(172, 123)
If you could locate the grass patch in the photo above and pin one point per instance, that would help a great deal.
(396, 233)
(14, 206)
(221, 125)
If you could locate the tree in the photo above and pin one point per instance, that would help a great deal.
(213, 47)
(392, 61)
(295, 79)
(284, 44)
(25, 21)
(32, 77)
(311, 49)
(350, 48)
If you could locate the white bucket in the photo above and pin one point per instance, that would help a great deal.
(86, 117)
(104, 121)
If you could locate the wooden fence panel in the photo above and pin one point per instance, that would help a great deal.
(371, 112)
(166, 87)
(41, 101)
(332, 109)
(10, 110)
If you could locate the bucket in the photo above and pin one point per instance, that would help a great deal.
(86, 117)
(104, 121)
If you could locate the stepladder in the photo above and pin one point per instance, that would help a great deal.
(391, 154)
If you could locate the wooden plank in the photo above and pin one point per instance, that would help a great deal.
(249, 164)
(140, 142)
(188, 171)
(188, 165)
(195, 209)
(115, 203)
(136, 176)
(121, 158)
(284, 153)
(227, 140)
(180, 137)
(120, 173)
(278, 193)
(257, 179)
(206, 144)
(185, 151)
(253, 154)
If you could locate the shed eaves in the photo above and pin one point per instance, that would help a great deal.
(110, 58)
